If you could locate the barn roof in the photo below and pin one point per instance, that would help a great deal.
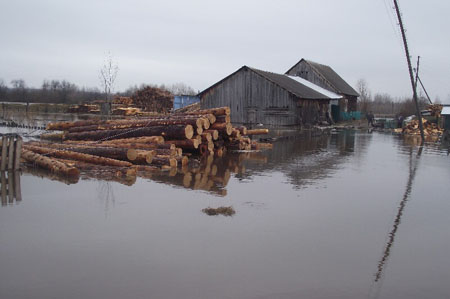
(330, 76)
(288, 83)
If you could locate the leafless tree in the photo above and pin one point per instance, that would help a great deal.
(108, 74)
(365, 96)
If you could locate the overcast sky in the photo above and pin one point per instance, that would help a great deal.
(200, 42)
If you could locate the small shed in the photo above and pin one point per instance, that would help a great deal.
(325, 77)
(445, 113)
(260, 97)
(184, 100)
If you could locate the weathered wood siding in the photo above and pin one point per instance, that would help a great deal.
(305, 71)
(253, 99)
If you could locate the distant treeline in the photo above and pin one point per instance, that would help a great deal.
(64, 92)
(382, 103)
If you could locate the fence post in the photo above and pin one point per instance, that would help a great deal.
(3, 187)
(11, 153)
(17, 152)
(5, 139)
(18, 192)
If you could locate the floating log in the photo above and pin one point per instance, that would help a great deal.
(170, 132)
(77, 156)
(49, 163)
(108, 152)
(30, 168)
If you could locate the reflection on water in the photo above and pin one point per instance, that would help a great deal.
(304, 160)
(413, 164)
(10, 187)
(311, 221)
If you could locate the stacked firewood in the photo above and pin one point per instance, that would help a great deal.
(153, 99)
(429, 128)
(435, 109)
(163, 141)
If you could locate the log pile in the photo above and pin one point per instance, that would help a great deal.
(429, 128)
(153, 142)
(153, 99)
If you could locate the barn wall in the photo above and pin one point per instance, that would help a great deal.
(305, 71)
(253, 99)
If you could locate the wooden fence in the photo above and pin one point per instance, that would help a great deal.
(11, 147)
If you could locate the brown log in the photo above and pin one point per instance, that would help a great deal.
(205, 123)
(235, 133)
(185, 144)
(52, 136)
(242, 129)
(206, 137)
(214, 134)
(181, 160)
(102, 151)
(257, 132)
(140, 156)
(215, 111)
(144, 139)
(203, 149)
(223, 119)
(199, 130)
(49, 163)
(133, 123)
(223, 128)
(164, 160)
(70, 124)
(77, 156)
(170, 132)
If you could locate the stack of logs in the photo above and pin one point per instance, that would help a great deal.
(153, 99)
(429, 128)
(128, 145)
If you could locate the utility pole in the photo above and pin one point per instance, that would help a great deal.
(411, 75)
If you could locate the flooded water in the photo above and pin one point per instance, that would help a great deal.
(351, 215)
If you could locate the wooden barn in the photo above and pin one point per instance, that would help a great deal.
(260, 97)
(325, 77)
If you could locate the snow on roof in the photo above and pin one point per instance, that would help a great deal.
(315, 87)
(445, 110)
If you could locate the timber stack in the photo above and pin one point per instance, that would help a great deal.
(154, 142)
(429, 128)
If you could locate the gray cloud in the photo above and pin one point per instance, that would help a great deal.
(200, 42)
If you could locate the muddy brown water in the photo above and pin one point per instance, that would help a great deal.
(351, 215)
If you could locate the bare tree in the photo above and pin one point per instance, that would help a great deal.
(19, 90)
(108, 74)
(364, 95)
(3, 90)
